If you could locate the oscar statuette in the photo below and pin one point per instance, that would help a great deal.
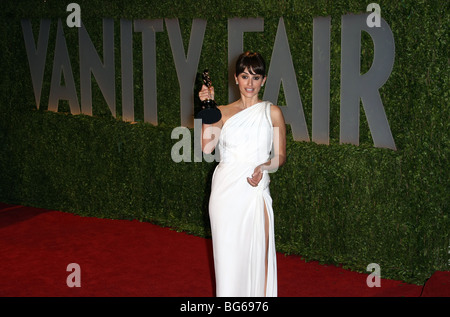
(210, 113)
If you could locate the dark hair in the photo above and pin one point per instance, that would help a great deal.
(254, 62)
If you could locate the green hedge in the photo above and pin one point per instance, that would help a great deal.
(342, 204)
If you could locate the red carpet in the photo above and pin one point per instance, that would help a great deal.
(130, 258)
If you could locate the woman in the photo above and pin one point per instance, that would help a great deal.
(240, 208)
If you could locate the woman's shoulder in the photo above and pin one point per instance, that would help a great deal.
(274, 109)
(227, 108)
(223, 108)
(227, 111)
(276, 113)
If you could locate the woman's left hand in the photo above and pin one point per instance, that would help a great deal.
(256, 176)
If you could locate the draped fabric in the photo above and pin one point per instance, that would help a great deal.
(237, 209)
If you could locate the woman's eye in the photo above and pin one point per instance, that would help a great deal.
(256, 78)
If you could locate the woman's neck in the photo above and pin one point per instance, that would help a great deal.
(248, 102)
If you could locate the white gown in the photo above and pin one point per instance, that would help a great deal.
(236, 208)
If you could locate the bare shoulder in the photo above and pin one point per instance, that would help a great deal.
(276, 114)
(274, 109)
(225, 111)
(228, 111)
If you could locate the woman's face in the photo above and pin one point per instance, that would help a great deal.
(249, 85)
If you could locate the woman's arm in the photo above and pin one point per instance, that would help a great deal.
(279, 140)
(279, 145)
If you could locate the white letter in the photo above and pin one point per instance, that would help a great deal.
(197, 140)
(74, 279)
(356, 87)
(126, 58)
(374, 279)
(321, 80)
(374, 18)
(73, 19)
(148, 29)
(36, 54)
(61, 64)
(186, 66)
(282, 70)
(90, 64)
(211, 133)
(184, 143)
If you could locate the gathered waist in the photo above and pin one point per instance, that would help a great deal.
(239, 171)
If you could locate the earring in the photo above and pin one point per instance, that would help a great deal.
(237, 83)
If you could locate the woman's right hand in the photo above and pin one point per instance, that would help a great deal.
(206, 93)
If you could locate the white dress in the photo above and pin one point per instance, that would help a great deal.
(236, 208)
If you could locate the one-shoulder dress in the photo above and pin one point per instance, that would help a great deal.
(236, 208)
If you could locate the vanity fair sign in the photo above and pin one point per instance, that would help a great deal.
(354, 86)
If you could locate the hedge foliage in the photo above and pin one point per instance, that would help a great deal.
(341, 204)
